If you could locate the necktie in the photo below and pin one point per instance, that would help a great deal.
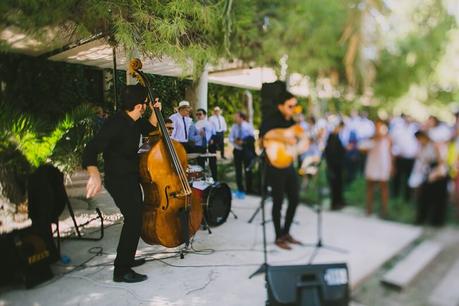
(184, 128)
(219, 124)
(204, 138)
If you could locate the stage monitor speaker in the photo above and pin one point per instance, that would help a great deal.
(269, 93)
(33, 258)
(308, 285)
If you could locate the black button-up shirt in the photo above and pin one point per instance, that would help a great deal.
(274, 121)
(119, 140)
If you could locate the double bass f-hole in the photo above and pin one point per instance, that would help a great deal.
(166, 193)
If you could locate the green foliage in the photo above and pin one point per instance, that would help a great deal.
(67, 153)
(416, 56)
(181, 29)
(45, 89)
(21, 131)
(307, 31)
(170, 90)
(231, 100)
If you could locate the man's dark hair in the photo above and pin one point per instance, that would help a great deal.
(202, 111)
(282, 97)
(168, 120)
(242, 115)
(420, 134)
(133, 95)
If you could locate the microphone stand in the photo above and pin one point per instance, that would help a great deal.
(318, 210)
(264, 267)
(258, 159)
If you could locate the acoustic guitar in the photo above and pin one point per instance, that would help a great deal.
(283, 145)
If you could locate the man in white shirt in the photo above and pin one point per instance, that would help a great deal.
(201, 135)
(219, 124)
(182, 123)
(405, 149)
(242, 138)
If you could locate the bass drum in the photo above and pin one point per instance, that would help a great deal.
(216, 203)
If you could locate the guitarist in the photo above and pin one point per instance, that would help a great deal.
(285, 180)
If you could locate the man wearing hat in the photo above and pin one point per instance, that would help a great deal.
(219, 123)
(118, 140)
(182, 123)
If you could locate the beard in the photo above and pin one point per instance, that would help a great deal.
(143, 110)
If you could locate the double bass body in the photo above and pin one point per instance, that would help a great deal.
(163, 201)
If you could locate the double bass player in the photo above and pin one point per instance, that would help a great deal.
(118, 140)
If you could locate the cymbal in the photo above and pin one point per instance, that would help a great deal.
(192, 156)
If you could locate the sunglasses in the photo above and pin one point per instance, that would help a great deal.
(170, 128)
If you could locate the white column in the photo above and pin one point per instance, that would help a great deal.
(202, 89)
(249, 105)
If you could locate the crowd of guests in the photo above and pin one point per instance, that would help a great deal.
(401, 157)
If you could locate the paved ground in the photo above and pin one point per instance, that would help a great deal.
(217, 271)
(429, 287)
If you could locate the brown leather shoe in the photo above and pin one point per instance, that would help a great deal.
(288, 238)
(282, 244)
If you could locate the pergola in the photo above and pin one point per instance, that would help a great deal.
(97, 52)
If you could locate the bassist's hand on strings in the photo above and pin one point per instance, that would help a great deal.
(157, 104)
(153, 120)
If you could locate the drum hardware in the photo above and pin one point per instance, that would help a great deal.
(207, 155)
(195, 172)
(191, 156)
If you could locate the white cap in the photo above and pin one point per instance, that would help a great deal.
(184, 103)
(216, 108)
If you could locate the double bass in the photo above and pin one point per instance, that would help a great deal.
(172, 213)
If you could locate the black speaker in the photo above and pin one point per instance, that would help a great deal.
(308, 285)
(33, 259)
(269, 94)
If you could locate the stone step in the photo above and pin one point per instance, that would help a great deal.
(446, 293)
(405, 271)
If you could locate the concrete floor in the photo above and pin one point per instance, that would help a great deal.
(217, 274)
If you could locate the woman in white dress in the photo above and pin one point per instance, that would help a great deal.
(378, 167)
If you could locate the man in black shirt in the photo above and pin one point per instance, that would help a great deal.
(334, 154)
(119, 140)
(282, 180)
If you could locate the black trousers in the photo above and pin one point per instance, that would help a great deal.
(220, 142)
(335, 180)
(283, 181)
(432, 202)
(403, 168)
(241, 162)
(127, 195)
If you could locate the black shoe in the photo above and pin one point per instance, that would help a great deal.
(129, 277)
(138, 262)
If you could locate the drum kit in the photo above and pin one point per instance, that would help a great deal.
(215, 196)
